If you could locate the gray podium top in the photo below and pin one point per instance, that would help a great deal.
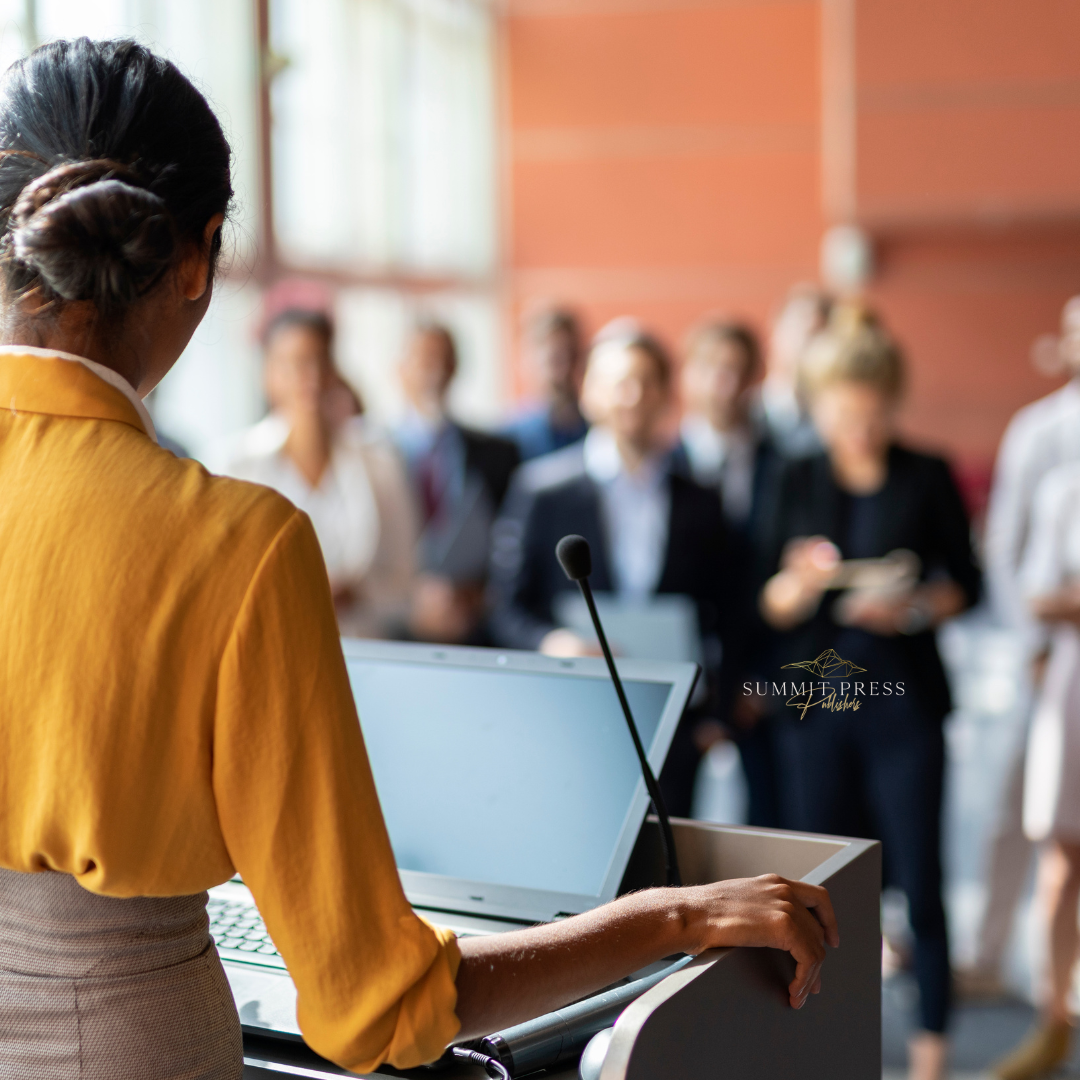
(726, 1014)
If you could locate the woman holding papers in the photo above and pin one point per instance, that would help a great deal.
(175, 705)
(869, 760)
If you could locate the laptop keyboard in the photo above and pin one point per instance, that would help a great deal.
(240, 934)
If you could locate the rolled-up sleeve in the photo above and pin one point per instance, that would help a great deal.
(301, 819)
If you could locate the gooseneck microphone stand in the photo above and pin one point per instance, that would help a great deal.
(576, 560)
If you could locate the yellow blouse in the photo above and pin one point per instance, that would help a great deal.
(174, 706)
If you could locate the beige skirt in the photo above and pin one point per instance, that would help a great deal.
(96, 988)
(1052, 767)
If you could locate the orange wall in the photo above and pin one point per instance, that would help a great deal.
(665, 159)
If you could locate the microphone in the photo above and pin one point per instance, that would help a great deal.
(576, 560)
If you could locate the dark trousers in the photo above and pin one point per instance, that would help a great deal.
(878, 772)
(758, 760)
(759, 766)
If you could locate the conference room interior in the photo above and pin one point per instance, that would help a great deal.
(522, 221)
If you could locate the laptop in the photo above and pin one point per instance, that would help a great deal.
(487, 764)
(661, 627)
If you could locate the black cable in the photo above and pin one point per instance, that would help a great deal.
(667, 839)
(575, 558)
(492, 1067)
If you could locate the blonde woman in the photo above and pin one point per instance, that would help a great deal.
(876, 770)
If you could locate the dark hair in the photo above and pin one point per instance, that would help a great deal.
(739, 333)
(110, 163)
(555, 321)
(431, 328)
(318, 322)
(649, 345)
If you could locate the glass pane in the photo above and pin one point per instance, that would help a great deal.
(383, 134)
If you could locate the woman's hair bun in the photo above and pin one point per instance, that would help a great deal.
(90, 231)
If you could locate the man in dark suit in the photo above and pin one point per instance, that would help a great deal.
(651, 531)
(724, 445)
(460, 477)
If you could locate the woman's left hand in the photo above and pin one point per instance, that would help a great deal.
(908, 612)
(879, 613)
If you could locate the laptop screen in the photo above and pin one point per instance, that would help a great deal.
(513, 777)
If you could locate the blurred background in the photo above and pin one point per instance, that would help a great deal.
(474, 162)
(663, 158)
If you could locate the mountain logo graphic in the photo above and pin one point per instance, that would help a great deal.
(830, 664)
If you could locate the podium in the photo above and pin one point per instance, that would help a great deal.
(726, 1014)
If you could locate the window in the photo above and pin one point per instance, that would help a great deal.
(383, 180)
(391, 102)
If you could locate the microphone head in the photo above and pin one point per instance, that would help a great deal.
(574, 557)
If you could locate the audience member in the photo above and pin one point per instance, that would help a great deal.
(877, 770)
(1040, 436)
(802, 315)
(554, 351)
(651, 531)
(724, 446)
(348, 481)
(460, 477)
(1051, 804)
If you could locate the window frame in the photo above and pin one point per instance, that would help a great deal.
(271, 266)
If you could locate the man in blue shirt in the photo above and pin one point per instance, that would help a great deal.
(553, 347)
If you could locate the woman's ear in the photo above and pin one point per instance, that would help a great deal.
(195, 268)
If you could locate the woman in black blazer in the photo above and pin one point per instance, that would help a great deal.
(876, 769)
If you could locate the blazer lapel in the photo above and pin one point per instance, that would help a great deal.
(589, 522)
(670, 576)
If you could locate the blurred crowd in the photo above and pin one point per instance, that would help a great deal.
(770, 489)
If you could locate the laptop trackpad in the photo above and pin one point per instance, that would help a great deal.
(264, 999)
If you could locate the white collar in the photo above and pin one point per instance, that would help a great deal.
(604, 465)
(115, 380)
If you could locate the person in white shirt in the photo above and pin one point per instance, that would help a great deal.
(346, 478)
(1050, 579)
(1039, 437)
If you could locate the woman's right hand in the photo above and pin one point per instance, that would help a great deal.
(767, 912)
(507, 978)
(807, 568)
